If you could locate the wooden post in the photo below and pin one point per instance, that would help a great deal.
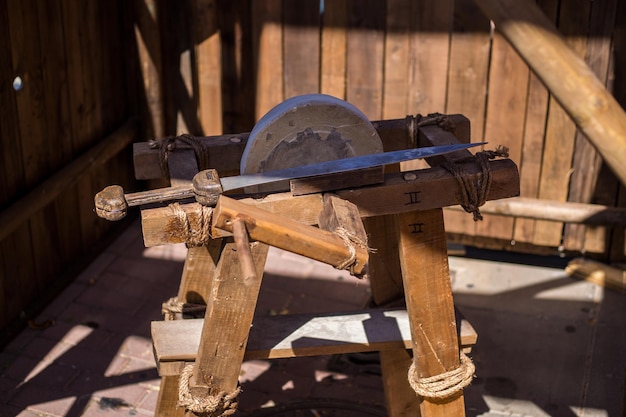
(428, 294)
(594, 110)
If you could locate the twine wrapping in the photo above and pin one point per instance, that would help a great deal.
(194, 236)
(222, 404)
(474, 193)
(444, 385)
(351, 241)
(171, 307)
(185, 141)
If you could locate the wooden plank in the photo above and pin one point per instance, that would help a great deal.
(301, 47)
(534, 133)
(431, 26)
(467, 81)
(268, 54)
(428, 295)
(226, 324)
(333, 48)
(556, 211)
(208, 51)
(292, 335)
(598, 273)
(587, 161)
(238, 75)
(148, 39)
(504, 123)
(278, 231)
(31, 112)
(366, 44)
(396, 59)
(66, 177)
(560, 130)
(431, 188)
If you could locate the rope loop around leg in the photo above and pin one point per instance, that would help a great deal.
(446, 384)
(220, 405)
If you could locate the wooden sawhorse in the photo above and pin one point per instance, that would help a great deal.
(403, 219)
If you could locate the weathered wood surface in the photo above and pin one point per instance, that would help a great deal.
(430, 306)
(555, 211)
(566, 75)
(285, 336)
(225, 150)
(290, 235)
(401, 192)
(598, 273)
(230, 309)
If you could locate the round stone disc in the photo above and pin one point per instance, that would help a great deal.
(304, 130)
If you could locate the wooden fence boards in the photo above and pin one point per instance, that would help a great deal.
(73, 92)
(333, 48)
(268, 54)
(88, 66)
(467, 83)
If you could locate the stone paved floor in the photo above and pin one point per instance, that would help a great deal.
(548, 345)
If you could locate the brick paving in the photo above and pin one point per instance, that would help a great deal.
(97, 359)
(548, 345)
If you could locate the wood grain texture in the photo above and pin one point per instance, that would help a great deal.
(226, 324)
(293, 335)
(268, 54)
(293, 236)
(301, 44)
(333, 48)
(430, 306)
(365, 49)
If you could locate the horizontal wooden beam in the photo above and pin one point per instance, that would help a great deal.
(558, 211)
(598, 273)
(298, 335)
(401, 192)
(45, 193)
(225, 151)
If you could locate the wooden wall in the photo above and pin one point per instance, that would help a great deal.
(397, 57)
(216, 66)
(61, 129)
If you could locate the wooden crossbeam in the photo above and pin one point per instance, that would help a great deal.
(298, 335)
(400, 193)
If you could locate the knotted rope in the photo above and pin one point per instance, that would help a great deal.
(194, 236)
(171, 307)
(474, 193)
(445, 384)
(351, 241)
(222, 404)
(185, 141)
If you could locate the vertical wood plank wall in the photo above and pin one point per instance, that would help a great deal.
(72, 60)
(216, 66)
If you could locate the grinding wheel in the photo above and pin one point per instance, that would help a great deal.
(304, 130)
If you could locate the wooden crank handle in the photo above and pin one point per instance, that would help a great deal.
(112, 204)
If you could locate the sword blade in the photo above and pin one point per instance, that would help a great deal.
(340, 165)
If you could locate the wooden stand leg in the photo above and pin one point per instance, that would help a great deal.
(168, 398)
(386, 284)
(428, 294)
(195, 287)
(229, 314)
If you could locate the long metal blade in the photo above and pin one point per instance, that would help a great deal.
(341, 165)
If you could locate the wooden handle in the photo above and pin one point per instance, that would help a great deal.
(242, 243)
(277, 230)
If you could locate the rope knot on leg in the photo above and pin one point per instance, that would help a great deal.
(222, 404)
(446, 384)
